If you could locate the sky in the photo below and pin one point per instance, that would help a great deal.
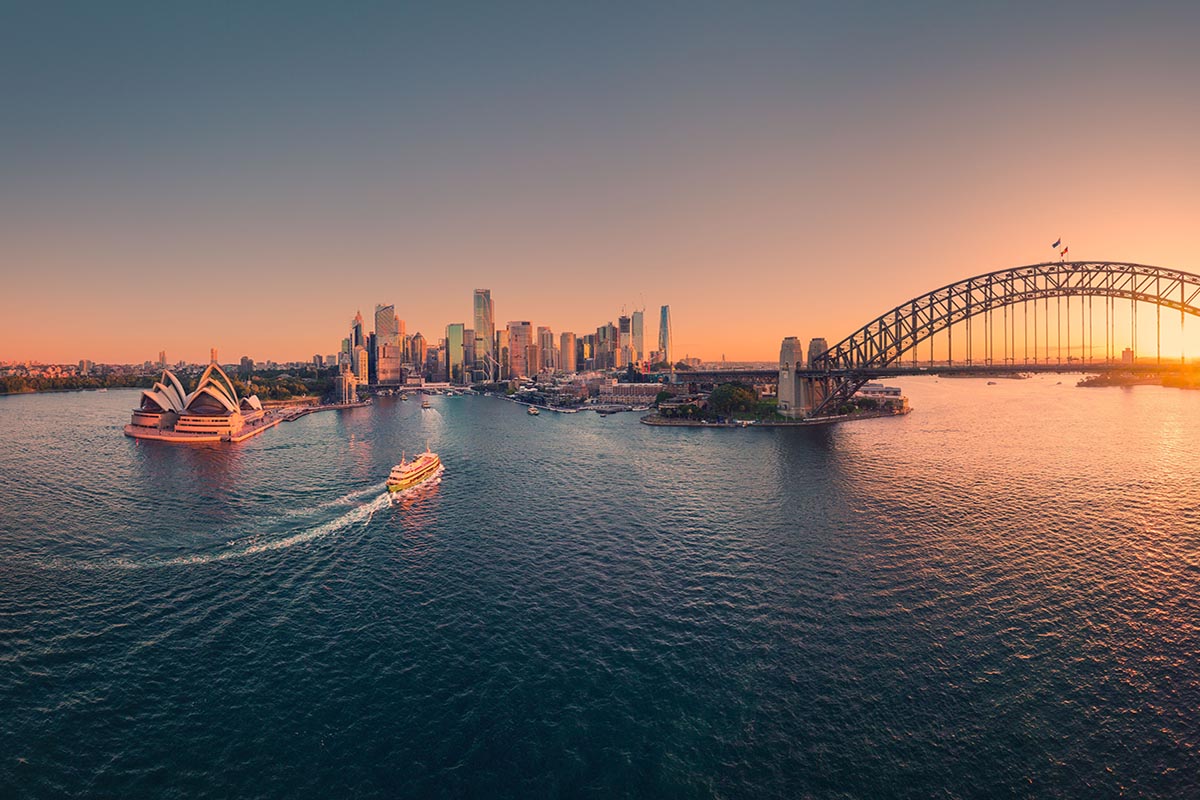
(246, 176)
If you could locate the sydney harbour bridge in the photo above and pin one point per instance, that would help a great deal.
(1053, 317)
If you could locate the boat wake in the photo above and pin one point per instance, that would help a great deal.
(349, 499)
(362, 514)
(253, 544)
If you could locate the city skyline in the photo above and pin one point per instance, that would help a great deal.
(774, 171)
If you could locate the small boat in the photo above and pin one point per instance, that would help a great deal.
(533, 412)
(426, 404)
(991, 383)
(404, 395)
(408, 474)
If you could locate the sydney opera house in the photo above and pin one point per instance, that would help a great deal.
(212, 412)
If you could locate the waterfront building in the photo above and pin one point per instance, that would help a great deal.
(454, 352)
(372, 359)
(634, 394)
(361, 364)
(639, 339)
(520, 337)
(664, 335)
(567, 352)
(86, 366)
(485, 335)
(345, 387)
(816, 347)
(213, 408)
(386, 346)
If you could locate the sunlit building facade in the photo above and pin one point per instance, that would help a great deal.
(638, 327)
(485, 335)
(211, 411)
(567, 352)
(520, 337)
(454, 352)
(664, 334)
(388, 356)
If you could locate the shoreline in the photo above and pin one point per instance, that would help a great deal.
(657, 421)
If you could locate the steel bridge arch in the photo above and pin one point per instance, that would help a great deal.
(888, 337)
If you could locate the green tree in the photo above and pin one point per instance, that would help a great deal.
(732, 397)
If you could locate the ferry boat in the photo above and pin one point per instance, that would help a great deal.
(408, 474)
(533, 412)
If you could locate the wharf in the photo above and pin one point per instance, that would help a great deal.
(663, 422)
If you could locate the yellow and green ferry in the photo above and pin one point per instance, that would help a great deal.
(408, 474)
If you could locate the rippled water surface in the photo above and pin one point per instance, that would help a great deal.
(998, 595)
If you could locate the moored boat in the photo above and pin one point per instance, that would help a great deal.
(533, 412)
(408, 474)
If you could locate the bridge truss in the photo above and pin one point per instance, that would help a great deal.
(885, 340)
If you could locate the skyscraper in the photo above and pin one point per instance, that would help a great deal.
(545, 343)
(566, 351)
(606, 346)
(469, 357)
(388, 357)
(454, 352)
(485, 334)
(520, 336)
(503, 372)
(357, 338)
(624, 332)
(417, 351)
(639, 339)
(533, 355)
(664, 335)
(361, 364)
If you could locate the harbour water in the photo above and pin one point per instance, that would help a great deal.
(997, 595)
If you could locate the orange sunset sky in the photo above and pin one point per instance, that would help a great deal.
(247, 178)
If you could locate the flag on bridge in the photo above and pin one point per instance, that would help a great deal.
(1057, 242)
(1064, 251)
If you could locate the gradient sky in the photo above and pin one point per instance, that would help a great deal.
(247, 175)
